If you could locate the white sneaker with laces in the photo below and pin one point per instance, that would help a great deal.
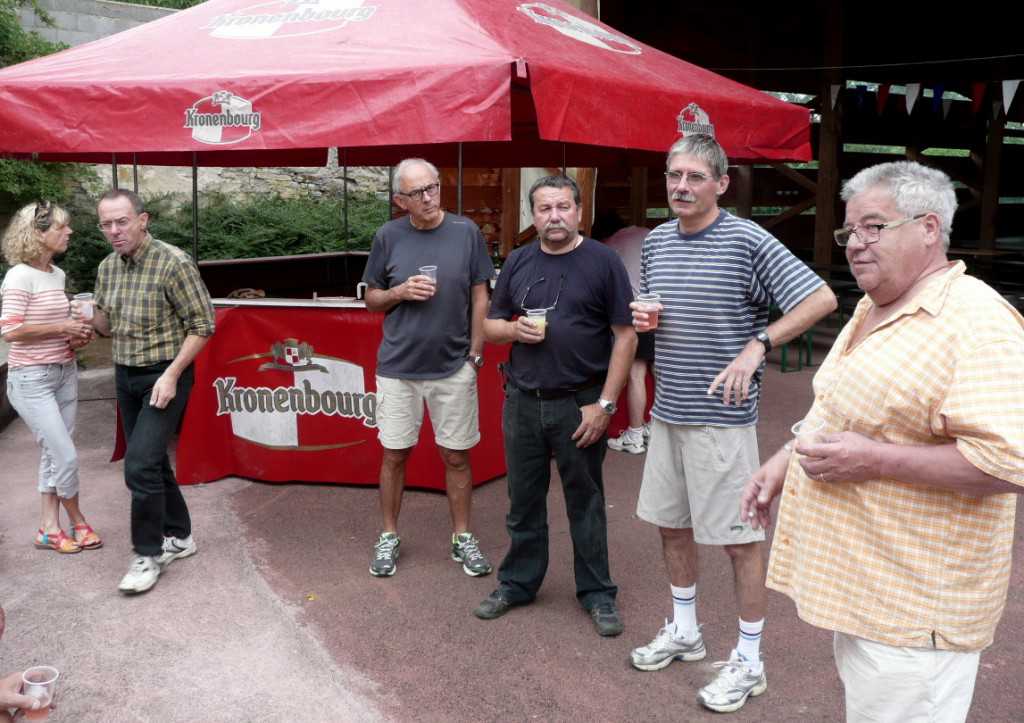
(665, 648)
(141, 576)
(626, 442)
(176, 548)
(737, 680)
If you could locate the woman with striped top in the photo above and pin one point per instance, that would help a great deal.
(42, 379)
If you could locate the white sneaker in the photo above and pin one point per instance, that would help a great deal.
(737, 680)
(665, 648)
(627, 443)
(176, 548)
(141, 576)
(647, 432)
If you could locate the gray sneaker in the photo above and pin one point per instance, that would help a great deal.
(466, 549)
(737, 680)
(665, 648)
(176, 548)
(385, 555)
(141, 576)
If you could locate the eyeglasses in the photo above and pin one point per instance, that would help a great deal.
(869, 233)
(43, 216)
(541, 280)
(117, 222)
(416, 194)
(693, 179)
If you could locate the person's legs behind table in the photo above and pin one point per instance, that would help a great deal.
(583, 488)
(159, 512)
(886, 684)
(399, 418)
(528, 460)
(454, 413)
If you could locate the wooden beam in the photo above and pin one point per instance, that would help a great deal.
(510, 182)
(990, 182)
(744, 191)
(585, 179)
(796, 177)
(796, 210)
(638, 196)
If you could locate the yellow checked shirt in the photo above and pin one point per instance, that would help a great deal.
(901, 564)
(153, 300)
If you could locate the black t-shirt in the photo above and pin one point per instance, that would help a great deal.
(428, 339)
(592, 290)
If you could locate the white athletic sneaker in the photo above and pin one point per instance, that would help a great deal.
(141, 576)
(626, 442)
(737, 680)
(176, 548)
(665, 648)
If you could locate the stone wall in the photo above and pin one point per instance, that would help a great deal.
(82, 21)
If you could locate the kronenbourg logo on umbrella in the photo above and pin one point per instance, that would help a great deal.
(222, 119)
(580, 29)
(288, 19)
(318, 389)
(694, 119)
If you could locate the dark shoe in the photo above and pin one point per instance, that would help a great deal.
(466, 549)
(385, 555)
(493, 606)
(606, 619)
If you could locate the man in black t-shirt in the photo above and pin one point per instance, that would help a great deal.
(563, 376)
(428, 272)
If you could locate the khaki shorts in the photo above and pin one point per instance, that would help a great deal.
(694, 477)
(451, 401)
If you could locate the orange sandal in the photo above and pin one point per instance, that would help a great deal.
(59, 542)
(86, 537)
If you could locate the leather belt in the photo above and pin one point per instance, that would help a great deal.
(561, 392)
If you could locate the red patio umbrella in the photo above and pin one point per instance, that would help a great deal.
(244, 82)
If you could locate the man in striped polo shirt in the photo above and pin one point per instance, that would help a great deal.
(717, 275)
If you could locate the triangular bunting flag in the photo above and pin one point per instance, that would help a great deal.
(913, 90)
(977, 95)
(997, 105)
(882, 97)
(835, 94)
(1009, 90)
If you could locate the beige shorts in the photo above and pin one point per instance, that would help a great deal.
(451, 401)
(886, 683)
(694, 477)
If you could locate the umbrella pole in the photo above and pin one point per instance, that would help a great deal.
(459, 181)
(344, 190)
(113, 171)
(135, 172)
(195, 208)
(563, 159)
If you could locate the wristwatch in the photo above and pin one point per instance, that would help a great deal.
(477, 360)
(607, 407)
(762, 336)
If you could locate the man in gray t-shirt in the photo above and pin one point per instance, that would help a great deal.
(428, 272)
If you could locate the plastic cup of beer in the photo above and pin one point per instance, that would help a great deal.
(651, 305)
(539, 318)
(807, 430)
(85, 304)
(431, 272)
(39, 682)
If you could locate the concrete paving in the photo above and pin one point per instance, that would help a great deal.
(277, 618)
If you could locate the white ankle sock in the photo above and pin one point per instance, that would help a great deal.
(684, 609)
(749, 645)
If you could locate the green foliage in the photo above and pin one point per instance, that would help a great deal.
(173, 4)
(16, 44)
(230, 229)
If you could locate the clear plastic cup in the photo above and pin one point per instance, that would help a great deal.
(807, 431)
(40, 682)
(651, 304)
(85, 304)
(539, 318)
(431, 272)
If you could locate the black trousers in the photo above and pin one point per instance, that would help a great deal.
(158, 507)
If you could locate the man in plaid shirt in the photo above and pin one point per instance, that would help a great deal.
(151, 300)
(896, 523)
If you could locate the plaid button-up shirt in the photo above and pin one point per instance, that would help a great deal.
(905, 564)
(153, 299)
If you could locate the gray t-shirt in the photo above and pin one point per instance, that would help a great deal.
(428, 339)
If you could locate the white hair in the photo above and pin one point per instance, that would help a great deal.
(915, 189)
(704, 148)
(405, 165)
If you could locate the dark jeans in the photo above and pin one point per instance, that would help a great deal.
(534, 430)
(158, 507)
